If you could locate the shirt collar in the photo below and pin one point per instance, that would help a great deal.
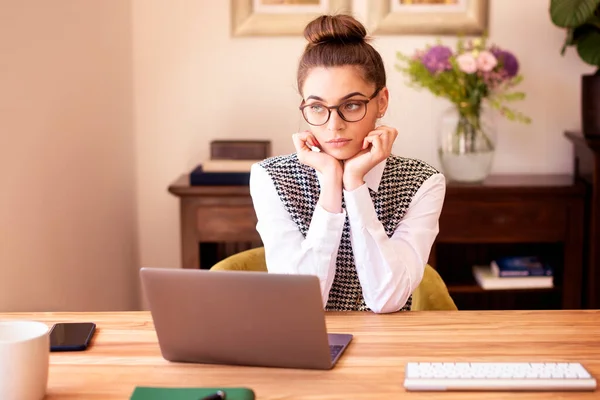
(372, 178)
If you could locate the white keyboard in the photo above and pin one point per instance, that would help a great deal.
(489, 376)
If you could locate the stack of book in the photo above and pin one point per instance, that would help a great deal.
(230, 162)
(520, 272)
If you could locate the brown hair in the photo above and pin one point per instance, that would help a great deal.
(337, 40)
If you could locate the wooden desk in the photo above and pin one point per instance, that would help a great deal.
(506, 215)
(125, 353)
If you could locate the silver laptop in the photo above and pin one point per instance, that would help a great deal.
(241, 318)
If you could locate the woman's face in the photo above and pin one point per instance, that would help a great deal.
(344, 87)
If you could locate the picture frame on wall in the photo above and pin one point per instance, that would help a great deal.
(280, 17)
(428, 17)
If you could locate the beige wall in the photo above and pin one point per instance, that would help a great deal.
(194, 83)
(67, 228)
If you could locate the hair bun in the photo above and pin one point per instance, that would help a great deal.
(334, 28)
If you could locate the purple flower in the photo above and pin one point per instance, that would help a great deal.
(437, 59)
(507, 61)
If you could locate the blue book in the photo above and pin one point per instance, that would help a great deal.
(200, 177)
(520, 266)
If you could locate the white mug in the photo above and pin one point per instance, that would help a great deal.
(24, 360)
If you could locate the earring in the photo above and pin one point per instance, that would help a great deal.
(380, 115)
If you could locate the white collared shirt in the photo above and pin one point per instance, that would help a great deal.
(389, 269)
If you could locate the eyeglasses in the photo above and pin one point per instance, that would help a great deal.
(353, 110)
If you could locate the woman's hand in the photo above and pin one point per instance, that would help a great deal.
(322, 162)
(377, 146)
(331, 169)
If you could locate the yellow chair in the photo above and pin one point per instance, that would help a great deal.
(431, 294)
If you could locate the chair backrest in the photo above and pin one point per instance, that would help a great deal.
(431, 294)
(248, 260)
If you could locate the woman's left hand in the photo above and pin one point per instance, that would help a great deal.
(377, 146)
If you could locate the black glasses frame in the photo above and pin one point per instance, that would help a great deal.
(337, 108)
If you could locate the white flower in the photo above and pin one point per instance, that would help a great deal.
(467, 63)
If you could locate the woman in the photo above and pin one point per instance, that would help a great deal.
(343, 207)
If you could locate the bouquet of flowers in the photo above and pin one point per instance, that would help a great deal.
(473, 73)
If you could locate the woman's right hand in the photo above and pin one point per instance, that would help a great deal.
(319, 160)
(331, 168)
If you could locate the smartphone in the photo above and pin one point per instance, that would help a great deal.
(71, 336)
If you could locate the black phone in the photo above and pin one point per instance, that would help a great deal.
(71, 336)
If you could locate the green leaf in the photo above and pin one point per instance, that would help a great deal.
(588, 48)
(594, 20)
(515, 96)
(580, 32)
(572, 13)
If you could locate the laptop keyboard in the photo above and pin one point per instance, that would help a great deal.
(334, 350)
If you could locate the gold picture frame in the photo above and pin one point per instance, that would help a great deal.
(280, 18)
(392, 17)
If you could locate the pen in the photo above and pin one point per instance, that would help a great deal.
(219, 395)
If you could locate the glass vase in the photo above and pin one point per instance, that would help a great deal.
(467, 142)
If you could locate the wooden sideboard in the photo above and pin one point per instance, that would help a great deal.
(505, 215)
(586, 158)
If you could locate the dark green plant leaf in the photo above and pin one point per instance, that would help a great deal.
(588, 48)
(572, 13)
(594, 20)
(582, 31)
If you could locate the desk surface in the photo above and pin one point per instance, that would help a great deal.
(125, 353)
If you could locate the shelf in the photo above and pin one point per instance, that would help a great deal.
(454, 262)
(472, 297)
(474, 288)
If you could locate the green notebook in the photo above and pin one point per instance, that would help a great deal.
(163, 393)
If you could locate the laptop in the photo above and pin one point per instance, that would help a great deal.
(241, 318)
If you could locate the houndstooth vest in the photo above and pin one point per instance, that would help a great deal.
(298, 189)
